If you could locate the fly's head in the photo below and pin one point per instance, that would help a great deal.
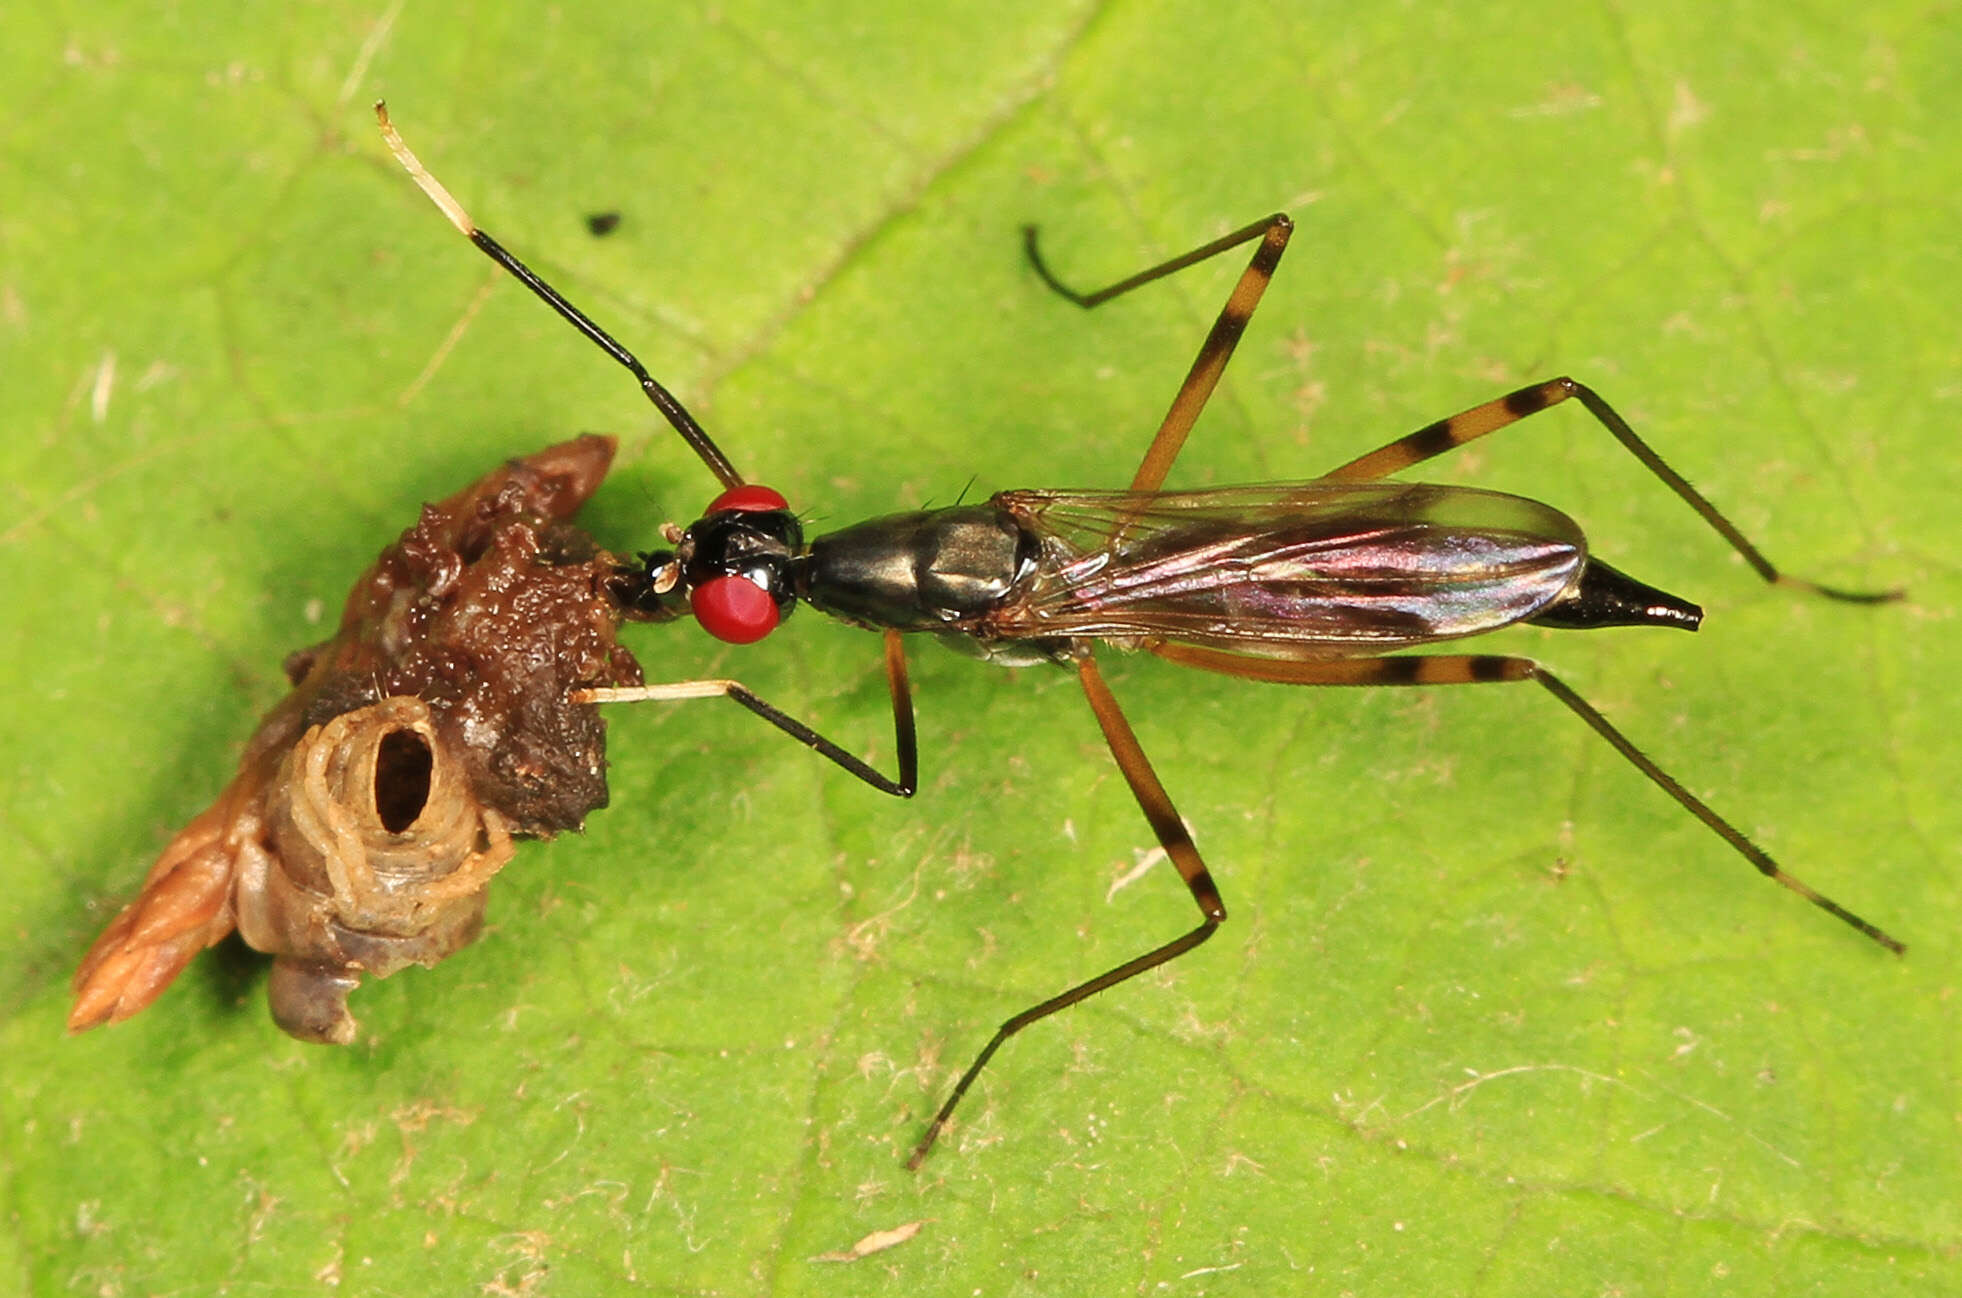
(738, 564)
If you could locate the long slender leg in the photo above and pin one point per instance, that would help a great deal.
(904, 738)
(1473, 669)
(1448, 434)
(1210, 363)
(665, 401)
(1178, 845)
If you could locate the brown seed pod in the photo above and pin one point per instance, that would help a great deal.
(374, 803)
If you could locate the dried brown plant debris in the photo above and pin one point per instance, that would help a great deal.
(373, 805)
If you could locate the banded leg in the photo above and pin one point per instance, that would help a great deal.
(1474, 669)
(904, 738)
(1210, 363)
(665, 401)
(1172, 836)
(1448, 434)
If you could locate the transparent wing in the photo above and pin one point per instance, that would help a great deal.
(1289, 570)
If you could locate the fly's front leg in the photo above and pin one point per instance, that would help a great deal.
(1210, 363)
(1178, 845)
(1448, 434)
(904, 737)
(665, 401)
(1478, 669)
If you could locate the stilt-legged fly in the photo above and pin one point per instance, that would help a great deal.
(1301, 583)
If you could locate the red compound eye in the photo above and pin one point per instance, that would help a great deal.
(735, 609)
(747, 497)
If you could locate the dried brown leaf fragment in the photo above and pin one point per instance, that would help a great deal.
(376, 801)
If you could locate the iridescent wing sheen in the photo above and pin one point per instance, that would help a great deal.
(1288, 570)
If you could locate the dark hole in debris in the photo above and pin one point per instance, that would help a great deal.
(402, 769)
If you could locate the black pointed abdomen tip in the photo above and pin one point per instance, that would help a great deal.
(1606, 596)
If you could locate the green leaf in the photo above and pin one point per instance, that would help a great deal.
(1490, 1015)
